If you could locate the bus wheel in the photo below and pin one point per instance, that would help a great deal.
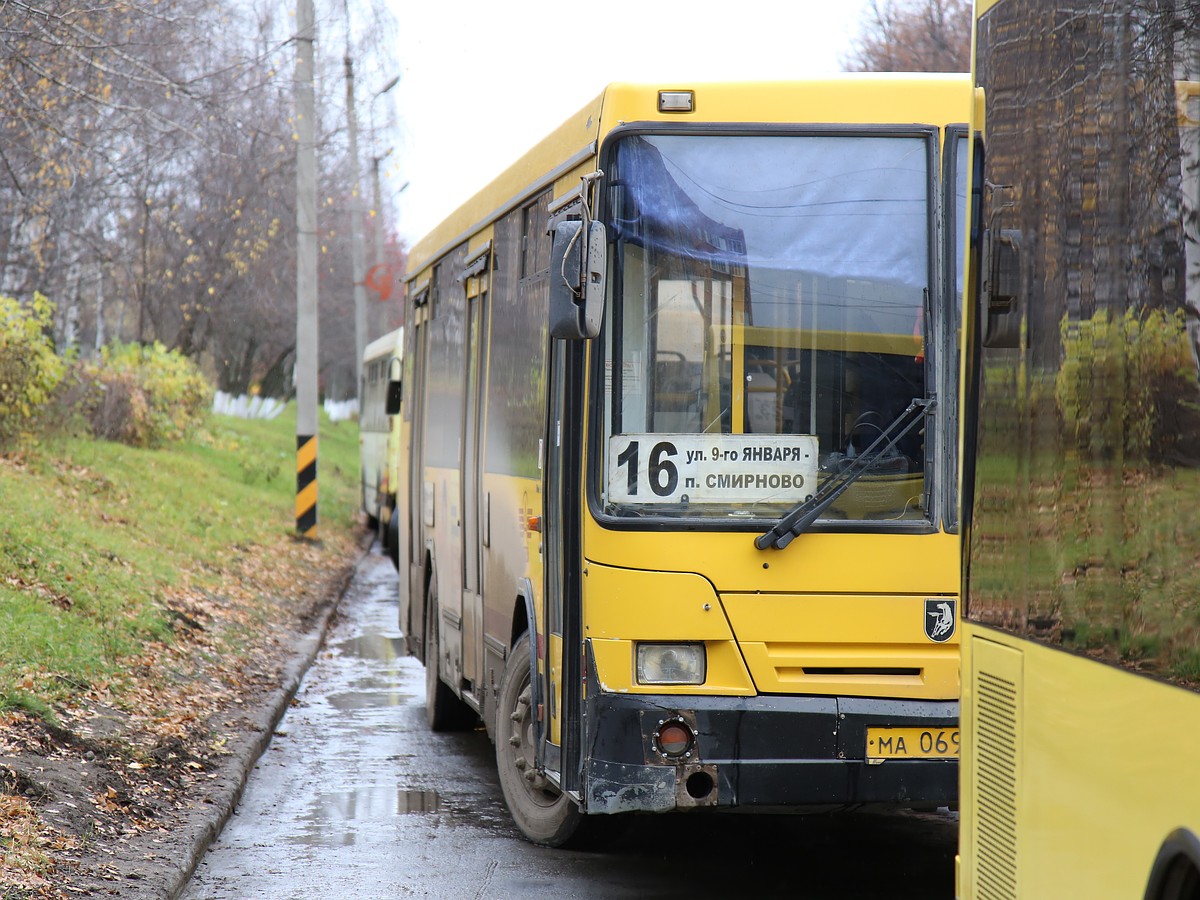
(370, 505)
(384, 531)
(392, 544)
(543, 813)
(444, 711)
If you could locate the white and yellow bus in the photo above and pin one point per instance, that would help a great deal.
(378, 445)
(1081, 486)
(680, 492)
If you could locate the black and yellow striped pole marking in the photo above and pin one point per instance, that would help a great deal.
(306, 485)
(307, 320)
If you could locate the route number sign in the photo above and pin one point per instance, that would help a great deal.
(712, 468)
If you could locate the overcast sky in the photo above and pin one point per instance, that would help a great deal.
(482, 81)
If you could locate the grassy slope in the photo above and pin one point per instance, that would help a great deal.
(107, 550)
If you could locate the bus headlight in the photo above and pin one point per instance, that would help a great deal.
(671, 663)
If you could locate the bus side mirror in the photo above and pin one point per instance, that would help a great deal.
(392, 402)
(1000, 289)
(578, 263)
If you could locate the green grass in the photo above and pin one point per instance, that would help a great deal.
(97, 537)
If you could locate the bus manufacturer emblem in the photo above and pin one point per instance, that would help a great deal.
(940, 619)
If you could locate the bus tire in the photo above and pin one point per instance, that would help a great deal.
(543, 813)
(392, 544)
(444, 710)
(370, 505)
(383, 530)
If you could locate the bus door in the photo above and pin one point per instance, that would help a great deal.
(550, 643)
(561, 650)
(414, 622)
(446, 359)
(474, 515)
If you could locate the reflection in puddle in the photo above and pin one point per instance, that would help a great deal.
(372, 646)
(331, 818)
(418, 801)
(351, 700)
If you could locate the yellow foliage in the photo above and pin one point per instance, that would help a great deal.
(29, 367)
(144, 396)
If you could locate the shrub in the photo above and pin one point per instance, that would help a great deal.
(29, 368)
(144, 396)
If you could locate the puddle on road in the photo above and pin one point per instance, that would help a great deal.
(372, 646)
(327, 820)
(348, 701)
(418, 801)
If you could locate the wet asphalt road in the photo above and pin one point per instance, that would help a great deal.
(356, 798)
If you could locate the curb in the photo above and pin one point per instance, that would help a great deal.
(227, 789)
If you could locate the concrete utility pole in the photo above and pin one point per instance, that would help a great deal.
(357, 253)
(378, 261)
(306, 275)
(375, 161)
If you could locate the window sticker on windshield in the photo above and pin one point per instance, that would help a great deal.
(631, 375)
(711, 468)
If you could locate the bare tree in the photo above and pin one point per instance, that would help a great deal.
(914, 36)
(147, 175)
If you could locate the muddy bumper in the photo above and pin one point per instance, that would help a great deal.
(769, 753)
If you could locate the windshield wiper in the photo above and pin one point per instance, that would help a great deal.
(795, 522)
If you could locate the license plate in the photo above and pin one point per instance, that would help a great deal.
(911, 743)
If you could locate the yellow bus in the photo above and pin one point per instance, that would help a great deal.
(1081, 483)
(381, 367)
(680, 485)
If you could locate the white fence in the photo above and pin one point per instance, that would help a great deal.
(247, 407)
(269, 407)
(339, 410)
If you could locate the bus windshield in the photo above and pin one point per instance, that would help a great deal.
(766, 320)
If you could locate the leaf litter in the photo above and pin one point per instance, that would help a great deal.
(89, 804)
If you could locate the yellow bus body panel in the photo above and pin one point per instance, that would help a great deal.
(555, 709)
(856, 617)
(1105, 742)
(866, 646)
(622, 606)
(662, 606)
(816, 562)
(932, 99)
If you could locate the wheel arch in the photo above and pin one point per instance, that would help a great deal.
(427, 579)
(1175, 874)
(523, 617)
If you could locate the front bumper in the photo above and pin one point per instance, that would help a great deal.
(766, 752)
